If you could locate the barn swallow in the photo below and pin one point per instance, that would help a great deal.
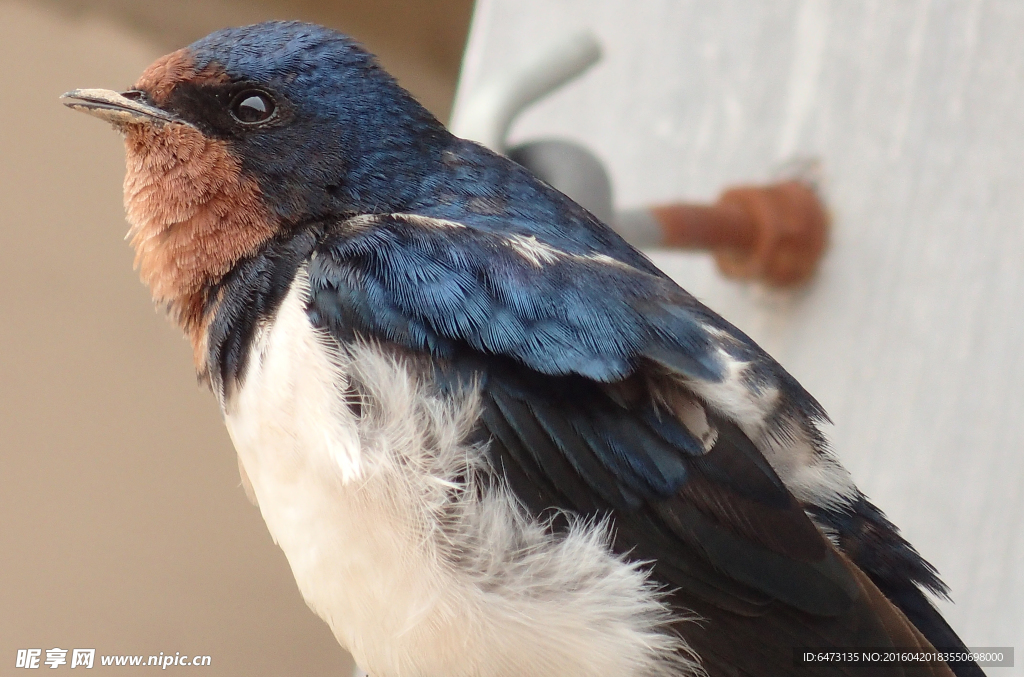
(491, 438)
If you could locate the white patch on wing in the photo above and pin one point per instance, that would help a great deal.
(533, 250)
(604, 259)
(417, 568)
(812, 474)
(362, 221)
(747, 406)
(692, 415)
(429, 221)
(540, 253)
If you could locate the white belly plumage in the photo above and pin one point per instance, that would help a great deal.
(418, 571)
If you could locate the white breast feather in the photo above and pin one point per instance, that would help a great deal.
(417, 570)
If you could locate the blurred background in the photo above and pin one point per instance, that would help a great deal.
(122, 523)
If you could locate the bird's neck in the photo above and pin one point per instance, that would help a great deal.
(193, 216)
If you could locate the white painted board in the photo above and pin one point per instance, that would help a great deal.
(912, 336)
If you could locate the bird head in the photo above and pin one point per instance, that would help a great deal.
(250, 132)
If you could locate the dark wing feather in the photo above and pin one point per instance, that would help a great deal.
(562, 345)
(741, 553)
(876, 547)
(736, 526)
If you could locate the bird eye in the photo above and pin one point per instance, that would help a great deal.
(252, 106)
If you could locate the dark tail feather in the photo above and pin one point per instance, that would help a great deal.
(923, 614)
(874, 544)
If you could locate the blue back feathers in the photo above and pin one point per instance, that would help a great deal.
(433, 288)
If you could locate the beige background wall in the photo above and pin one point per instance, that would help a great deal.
(122, 524)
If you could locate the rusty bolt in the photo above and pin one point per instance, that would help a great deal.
(775, 234)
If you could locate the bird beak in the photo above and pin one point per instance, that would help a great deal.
(117, 108)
